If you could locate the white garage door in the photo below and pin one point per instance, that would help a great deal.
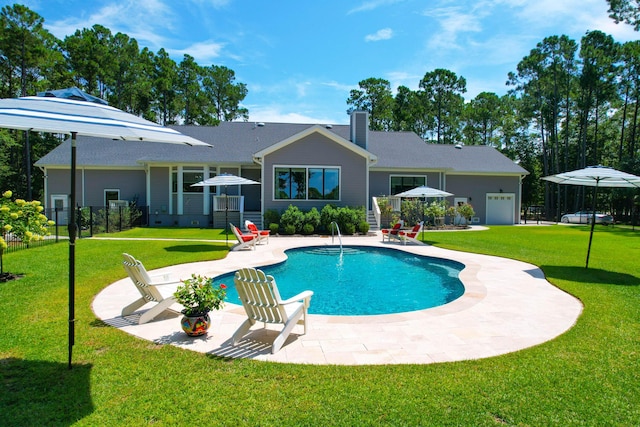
(500, 208)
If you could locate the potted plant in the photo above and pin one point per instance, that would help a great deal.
(198, 296)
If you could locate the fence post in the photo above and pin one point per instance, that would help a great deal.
(79, 222)
(55, 215)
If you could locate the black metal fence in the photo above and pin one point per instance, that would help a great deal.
(93, 220)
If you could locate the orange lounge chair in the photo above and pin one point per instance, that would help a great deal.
(253, 229)
(244, 240)
(411, 236)
(392, 232)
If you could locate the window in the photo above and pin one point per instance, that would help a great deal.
(189, 176)
(111, 195)
(323, 184)
(307, 183)
(404, 183)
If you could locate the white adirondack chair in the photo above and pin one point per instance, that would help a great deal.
(244, 240)
(261, 300)
(156, 289)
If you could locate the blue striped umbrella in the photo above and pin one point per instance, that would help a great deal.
(74, 117)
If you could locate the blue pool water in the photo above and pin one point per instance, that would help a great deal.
(363, 280)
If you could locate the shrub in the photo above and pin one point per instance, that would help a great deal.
(274, 227)
(292, 217)
(328, 214)
(349, 229)
(289, 229)
(466, 211)
(23, 219)
(386, 211)
(307, 229)
(271, 216)
(363, 227)
(312, 218)
(412, 211)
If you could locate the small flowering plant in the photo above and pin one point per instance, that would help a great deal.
(198, 295)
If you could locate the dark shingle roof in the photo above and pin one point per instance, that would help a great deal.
(236, 142)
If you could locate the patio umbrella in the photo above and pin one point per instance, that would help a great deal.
(73, 117)
(595, 176)
(225, 179)
(426, 192)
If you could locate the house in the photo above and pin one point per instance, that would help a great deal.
(301, 164)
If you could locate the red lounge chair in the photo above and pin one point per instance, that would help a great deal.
(244, 240)
(392, 232)
(411, 236)
(253, 229)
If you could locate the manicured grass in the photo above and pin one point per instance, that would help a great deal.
(172, 233)
(588, 376)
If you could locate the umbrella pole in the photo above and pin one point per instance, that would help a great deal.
(593, 223)
(72, 248)
(226, 216)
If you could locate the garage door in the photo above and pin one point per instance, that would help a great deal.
(500, 208)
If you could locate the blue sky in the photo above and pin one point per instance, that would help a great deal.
(300, 58)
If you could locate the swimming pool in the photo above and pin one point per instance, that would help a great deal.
(362, 280)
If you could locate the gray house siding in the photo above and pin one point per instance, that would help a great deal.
(251, 193)
(477, 173)
(318, 150)
(59, 181)
(130, 183)
(381, 180)
(475, 189)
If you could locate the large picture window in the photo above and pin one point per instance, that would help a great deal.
(404, 183)
(310, 183)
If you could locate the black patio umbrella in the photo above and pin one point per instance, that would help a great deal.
(595, 176)
(88, 118)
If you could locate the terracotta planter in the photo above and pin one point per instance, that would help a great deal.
(195, 325)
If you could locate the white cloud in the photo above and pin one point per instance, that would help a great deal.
(371, 5)
(203, 52)
(383, 34)
(144, 20)
(452, 21)
(279, 114)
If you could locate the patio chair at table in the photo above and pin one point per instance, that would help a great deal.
(263, 235)
(153, 289)
(261, 301)
(390, 233)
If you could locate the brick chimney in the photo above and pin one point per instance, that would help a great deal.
(360, 128)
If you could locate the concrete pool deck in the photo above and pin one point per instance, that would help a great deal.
(507, 306)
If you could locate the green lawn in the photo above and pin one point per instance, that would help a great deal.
(588, 376)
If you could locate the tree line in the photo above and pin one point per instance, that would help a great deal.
(569, 105)
(110, 66)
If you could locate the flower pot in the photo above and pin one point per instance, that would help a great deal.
(195, 325)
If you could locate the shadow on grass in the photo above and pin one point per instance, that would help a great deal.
(42, 393)
(591, 275)
(196, 248)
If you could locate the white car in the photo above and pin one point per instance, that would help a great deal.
(585, 217)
